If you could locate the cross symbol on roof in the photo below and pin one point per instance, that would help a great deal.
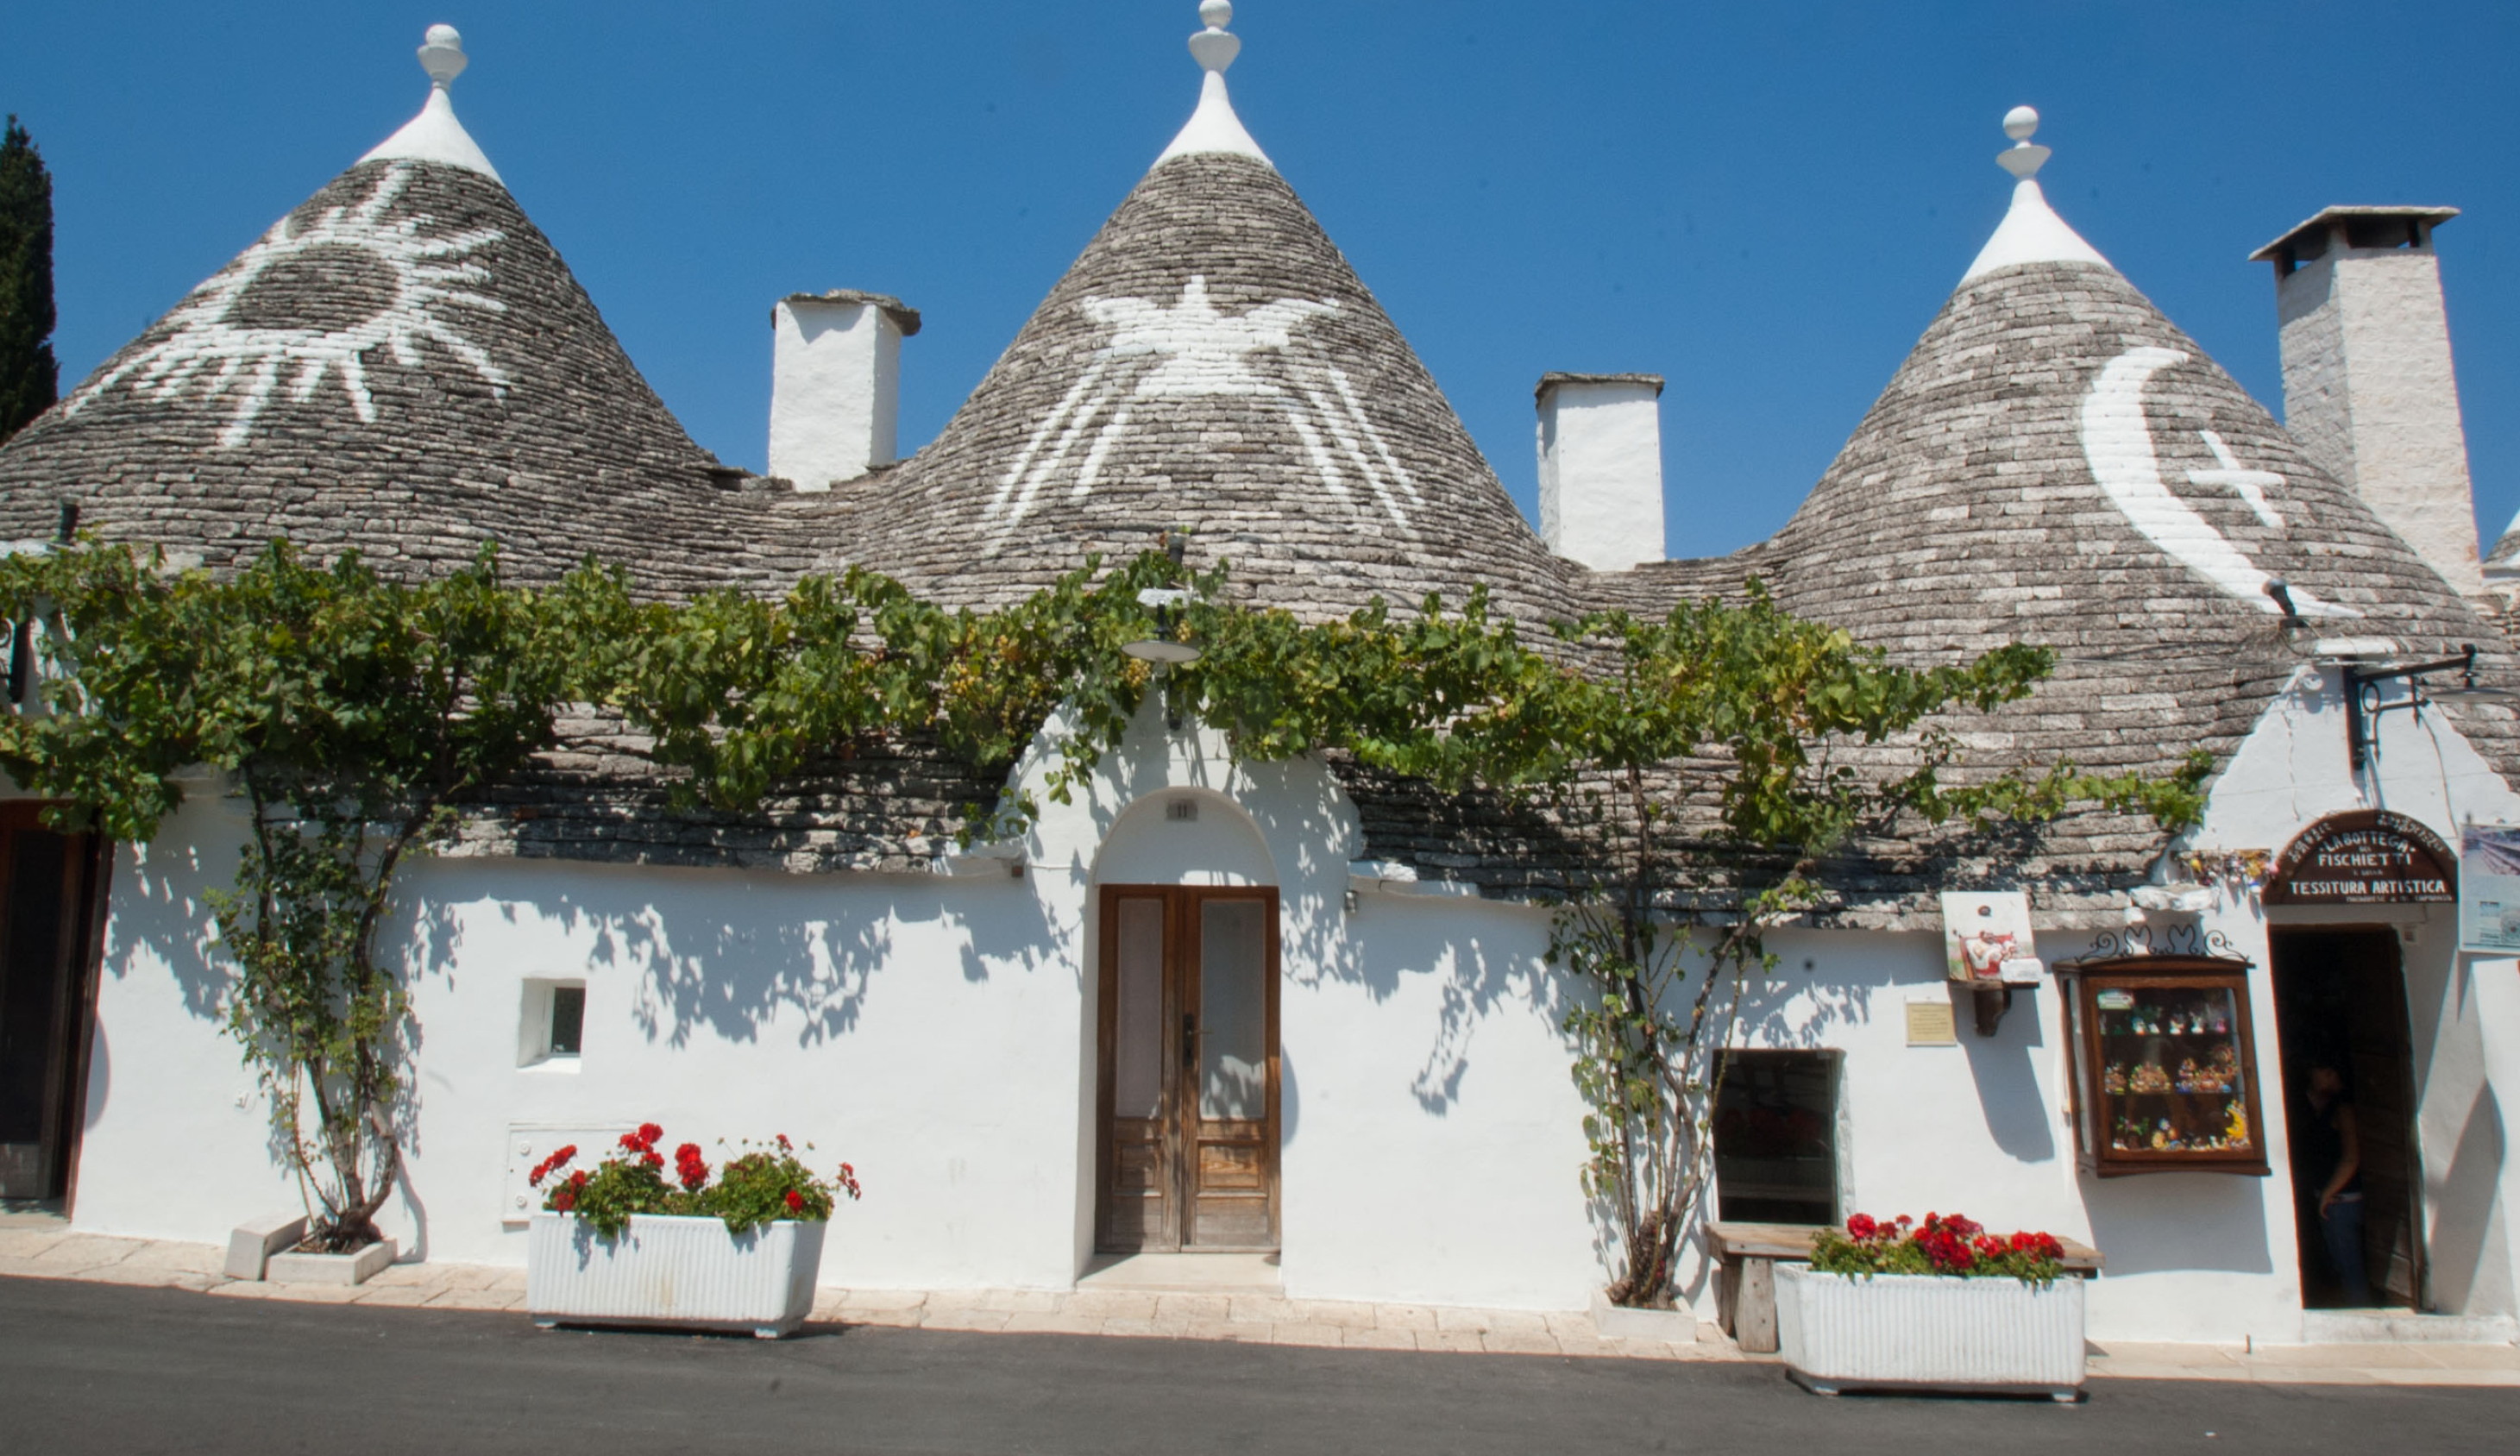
(2249, 485)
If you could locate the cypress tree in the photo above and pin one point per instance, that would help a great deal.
(29, 377)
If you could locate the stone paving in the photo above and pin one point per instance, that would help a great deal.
(51, 1251)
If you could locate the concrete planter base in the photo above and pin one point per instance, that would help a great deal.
(1669, 1326)
(252, 1246)
(672, 1272)
(1928, 1333)
(330, 1268)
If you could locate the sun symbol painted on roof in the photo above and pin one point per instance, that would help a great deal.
(310, 302)
(1197, 349)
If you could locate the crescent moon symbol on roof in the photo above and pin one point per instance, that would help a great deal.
(2117, 443)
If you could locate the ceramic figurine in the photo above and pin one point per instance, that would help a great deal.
(2235, 1124)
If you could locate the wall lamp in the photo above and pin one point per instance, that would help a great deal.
(1162, 649)
(2362, 705)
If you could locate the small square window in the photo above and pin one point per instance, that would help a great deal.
(568, 1019)
(550, 1026)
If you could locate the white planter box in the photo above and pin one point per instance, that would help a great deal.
(1926, 1331)
(689, 1273)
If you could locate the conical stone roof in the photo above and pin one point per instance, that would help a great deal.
(2058, 464)
(1210, 360)
(403, 365)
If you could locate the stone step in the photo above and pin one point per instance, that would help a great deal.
(2406, 1326)
(1184, 1273)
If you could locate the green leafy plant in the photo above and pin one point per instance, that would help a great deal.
(1707, 761)
(353, 714)
(762, 1184)
(1704, 762)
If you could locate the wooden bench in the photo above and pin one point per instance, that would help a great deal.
(1745, 1288)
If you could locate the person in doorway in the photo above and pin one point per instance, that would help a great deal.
(2335, 1156)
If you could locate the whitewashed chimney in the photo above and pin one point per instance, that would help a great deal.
(1600, 468)
(836, 385)
(2369, 390)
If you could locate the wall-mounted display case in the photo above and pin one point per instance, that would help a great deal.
(2163, 1076)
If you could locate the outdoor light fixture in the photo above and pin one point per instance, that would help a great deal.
(1162, 650)
(2362, 705)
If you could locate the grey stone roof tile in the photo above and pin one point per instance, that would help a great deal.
(402, 365)
(1212, 360)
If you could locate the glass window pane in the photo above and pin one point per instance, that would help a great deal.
(1776, 1138)
(1139, 1076)
(1234, 1009)
(2171, 1070)
(569, 1019)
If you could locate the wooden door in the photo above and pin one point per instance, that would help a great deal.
(46, 881)
(1188, 1151)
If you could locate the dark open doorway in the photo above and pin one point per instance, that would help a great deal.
(2341, 1003)
(48, 887)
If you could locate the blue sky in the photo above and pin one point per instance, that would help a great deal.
(1765, 203)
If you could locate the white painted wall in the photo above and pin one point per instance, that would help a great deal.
(175, 1142)
(2291, 772)
(883, 1019)
(1600, 468)
(2370, 391)
(836, 388)
(938, 1032)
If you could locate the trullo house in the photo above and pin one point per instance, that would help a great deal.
(404, 365)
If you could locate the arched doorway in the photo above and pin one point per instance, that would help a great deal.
(1187, 1067)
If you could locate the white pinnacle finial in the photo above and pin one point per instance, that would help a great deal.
(441, 54)
(1213, 127)
(2031, 231)
(434, 135)
(2023, 159)
(1214, 48)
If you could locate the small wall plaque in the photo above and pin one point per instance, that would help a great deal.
(1930, 1024)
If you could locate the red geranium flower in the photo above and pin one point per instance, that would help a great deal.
(551, 1164)
(1862, 1226)
(795, 1202)
(689, 1167)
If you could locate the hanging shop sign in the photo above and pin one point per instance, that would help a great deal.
(2371, 857)
(1987, 939)
(2489, 889)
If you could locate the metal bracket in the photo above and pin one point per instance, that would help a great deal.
(2362, 705)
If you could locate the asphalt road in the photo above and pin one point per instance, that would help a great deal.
(104, 1368)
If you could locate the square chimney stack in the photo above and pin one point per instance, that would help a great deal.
(836, 385)
(2369, 390)
(1600, 468)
